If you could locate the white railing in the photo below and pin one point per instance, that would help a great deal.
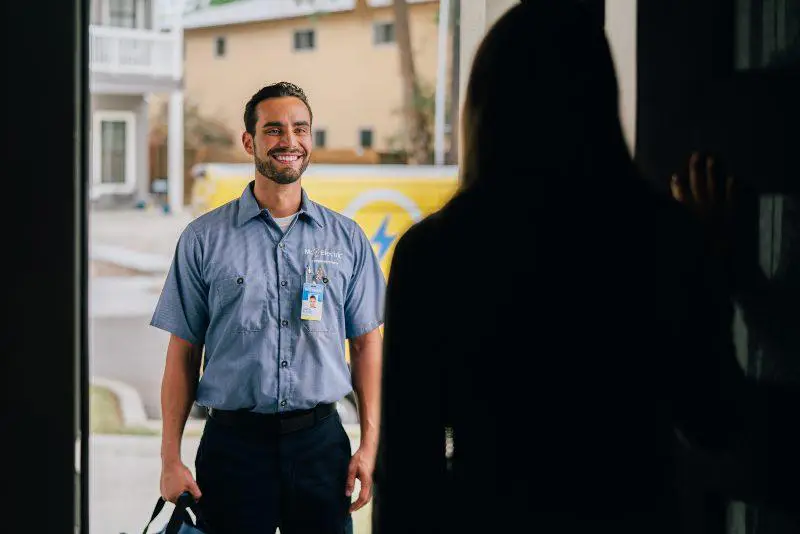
(127, 51)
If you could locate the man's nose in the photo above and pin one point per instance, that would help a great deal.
(287, 139)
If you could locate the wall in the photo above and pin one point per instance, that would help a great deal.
(351, 82)
(691, 96)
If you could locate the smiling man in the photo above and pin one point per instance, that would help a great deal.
(274, 452)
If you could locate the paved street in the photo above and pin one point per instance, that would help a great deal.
(123, 346)
(128, 350)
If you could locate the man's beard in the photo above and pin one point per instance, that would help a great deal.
(268, 169)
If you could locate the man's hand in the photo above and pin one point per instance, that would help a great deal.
(176, 479)
(362, 466)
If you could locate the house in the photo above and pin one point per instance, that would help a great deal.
(135, 52)
(345, 57)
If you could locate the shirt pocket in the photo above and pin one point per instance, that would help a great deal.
(242, 300)
(319, 328)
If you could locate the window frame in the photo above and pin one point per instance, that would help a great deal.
(129, 184)
(378, 27)
(363, 130)
(300, 32)
(317, 132)
(220, 40)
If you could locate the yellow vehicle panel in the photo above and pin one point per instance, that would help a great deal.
(385, 200)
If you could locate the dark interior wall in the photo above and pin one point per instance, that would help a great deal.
(694, 95)
(44, 333)
(691, 96)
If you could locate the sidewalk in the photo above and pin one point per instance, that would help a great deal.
(124, 474)
(143, 240)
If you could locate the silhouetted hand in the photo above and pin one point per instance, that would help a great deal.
(709, 194)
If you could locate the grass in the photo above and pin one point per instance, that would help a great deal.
(105, 415)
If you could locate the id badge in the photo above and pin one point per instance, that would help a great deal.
(313, 295)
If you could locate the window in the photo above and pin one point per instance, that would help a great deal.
(365, 138)
(383, 33)
(304, 40)
(319, 138)
(122, 13)
(767, 34)
(219, 47)
(113, 151)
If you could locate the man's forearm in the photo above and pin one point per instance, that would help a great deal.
(366, 360)
(178, 390)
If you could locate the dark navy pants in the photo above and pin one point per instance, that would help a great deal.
(254, 481)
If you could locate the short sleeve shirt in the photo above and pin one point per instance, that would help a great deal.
(236, 286)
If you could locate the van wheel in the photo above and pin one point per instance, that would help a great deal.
(347, 410)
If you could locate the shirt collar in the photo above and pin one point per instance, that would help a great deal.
(249, 208)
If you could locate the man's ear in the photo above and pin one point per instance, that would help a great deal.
(247, 142)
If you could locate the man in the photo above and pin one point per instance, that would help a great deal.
(273, 452)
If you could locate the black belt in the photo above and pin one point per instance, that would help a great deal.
(279, 423)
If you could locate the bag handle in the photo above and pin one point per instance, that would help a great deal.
(157, 510)
(184, 502)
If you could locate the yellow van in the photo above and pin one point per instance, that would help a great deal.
(385, 200)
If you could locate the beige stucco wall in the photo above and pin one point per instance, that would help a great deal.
(351, 82)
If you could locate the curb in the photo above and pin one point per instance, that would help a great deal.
(130, 402)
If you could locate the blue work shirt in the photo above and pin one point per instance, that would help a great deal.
(235, 286)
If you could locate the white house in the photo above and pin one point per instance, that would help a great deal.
(136, 50)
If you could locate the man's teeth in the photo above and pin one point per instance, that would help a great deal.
(287, 158)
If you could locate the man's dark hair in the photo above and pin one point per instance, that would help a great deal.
(276, 90)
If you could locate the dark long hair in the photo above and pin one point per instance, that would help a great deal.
(542, 104)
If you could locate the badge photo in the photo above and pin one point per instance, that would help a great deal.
(313, 296)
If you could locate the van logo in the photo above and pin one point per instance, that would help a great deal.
(381, 239)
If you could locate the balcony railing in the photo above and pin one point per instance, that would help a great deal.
(128, 51)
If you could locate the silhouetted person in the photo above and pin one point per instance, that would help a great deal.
(564, 418)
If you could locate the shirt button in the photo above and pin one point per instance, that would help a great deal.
(283, 283)
(240, 280)
(284, 363)
(283, 403)
(284, 323)
(282, 245)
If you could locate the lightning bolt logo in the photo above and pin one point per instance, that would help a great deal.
(382, 240)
